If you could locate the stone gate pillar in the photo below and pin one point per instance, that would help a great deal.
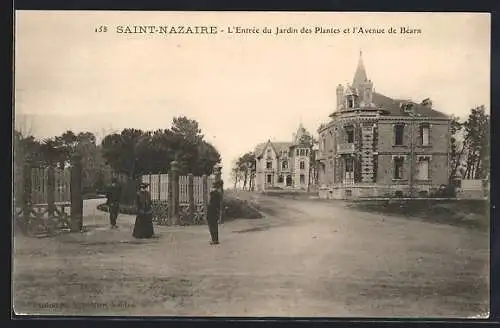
(174, 186)
(76, 193)
(220, 183)
(51, 188)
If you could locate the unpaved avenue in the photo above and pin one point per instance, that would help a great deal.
(306, 258)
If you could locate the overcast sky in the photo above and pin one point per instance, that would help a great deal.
(242, 89)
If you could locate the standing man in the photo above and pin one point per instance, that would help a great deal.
(113, 201)
(214, 212)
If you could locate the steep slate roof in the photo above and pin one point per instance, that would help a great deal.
(360, 76)
(278, 146)
(393, 107)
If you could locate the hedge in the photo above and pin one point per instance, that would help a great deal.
(233, 209)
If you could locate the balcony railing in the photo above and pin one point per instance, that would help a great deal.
(347, 148)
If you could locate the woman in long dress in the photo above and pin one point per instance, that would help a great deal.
(143, 227)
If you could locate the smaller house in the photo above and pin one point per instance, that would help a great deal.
(285, 165)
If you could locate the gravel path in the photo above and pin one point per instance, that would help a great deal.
(305, 258)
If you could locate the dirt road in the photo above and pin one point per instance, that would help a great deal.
(305, 258)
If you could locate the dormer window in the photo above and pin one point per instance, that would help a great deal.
(406, 107)
(268, 153)
(350, 103)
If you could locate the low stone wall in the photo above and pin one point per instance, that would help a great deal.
(356, 191)
(472, 194)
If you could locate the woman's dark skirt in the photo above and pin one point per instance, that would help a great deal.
(143, 227)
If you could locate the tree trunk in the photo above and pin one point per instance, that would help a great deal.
(245, 180)
(457, 162)
(477, 165)
(468, 168)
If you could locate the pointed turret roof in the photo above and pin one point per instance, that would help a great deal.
(360, 75)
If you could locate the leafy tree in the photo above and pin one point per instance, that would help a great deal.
(135, 152)
(246, 166)
(457, 147)
(187, 129)
(121, 151)
(207, 157)
(236, 175)
(53, 152)
(477, 135)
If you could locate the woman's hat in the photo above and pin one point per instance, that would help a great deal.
(217, 184)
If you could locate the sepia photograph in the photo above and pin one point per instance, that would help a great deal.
(251, 164)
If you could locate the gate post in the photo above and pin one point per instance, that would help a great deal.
(191, 195)
(206, 197)
(174, 186)
(220, 184)
(26, 195)
(51, 189)
(76, 193)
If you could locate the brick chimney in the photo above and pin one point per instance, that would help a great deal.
(427, 102)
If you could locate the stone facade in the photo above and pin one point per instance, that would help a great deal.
(284, 165)
(376, 146)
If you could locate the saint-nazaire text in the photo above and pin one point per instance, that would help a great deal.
(166, 29)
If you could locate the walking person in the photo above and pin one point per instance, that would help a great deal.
(213, 212)
(113, 196)
(143, 227)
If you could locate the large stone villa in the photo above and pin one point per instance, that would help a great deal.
(283, 165)
(376, 146)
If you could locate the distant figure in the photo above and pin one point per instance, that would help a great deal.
(113, 201)
(213, 214)
(143, 227)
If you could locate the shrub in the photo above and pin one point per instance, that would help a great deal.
(398, 194)
(423, 193)
(445, 191)
(233, 208)
(124, 209)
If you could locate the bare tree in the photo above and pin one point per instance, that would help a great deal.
(23, 124)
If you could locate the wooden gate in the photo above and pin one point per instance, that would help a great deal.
(50, 199)
(180, 200)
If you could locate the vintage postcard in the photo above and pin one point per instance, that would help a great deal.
(251, 164)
